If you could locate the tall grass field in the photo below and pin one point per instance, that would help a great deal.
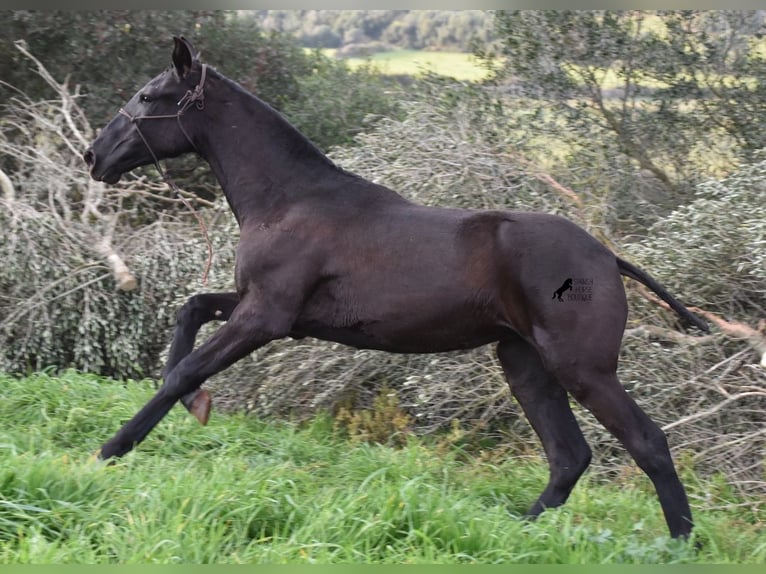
(243, 490)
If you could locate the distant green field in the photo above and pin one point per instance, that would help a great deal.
(241, 490)
(458, 65)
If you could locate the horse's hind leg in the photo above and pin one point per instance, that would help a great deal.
(584, 362)
(604, 396)
(546, 406)
(197, 311)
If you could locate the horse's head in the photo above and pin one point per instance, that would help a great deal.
(149, 127)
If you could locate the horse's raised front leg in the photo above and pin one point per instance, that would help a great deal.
(250, 326)
(197, 311)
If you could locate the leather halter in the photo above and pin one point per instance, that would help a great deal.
(194, 97)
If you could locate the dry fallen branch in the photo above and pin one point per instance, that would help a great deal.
(125, 279)
(754, 337)
(715, 408)
(549, 180)
(655, 332)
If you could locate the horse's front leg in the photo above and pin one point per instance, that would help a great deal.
(197, 311)
(251, 325)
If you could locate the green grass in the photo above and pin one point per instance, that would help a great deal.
(245, 491)
(459, 65)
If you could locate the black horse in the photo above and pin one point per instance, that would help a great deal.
(324, 253)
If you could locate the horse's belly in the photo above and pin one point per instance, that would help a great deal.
(394, 341)
(405, 324)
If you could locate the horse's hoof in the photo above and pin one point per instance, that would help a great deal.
(201, 406)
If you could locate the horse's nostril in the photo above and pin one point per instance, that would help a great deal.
(89, 156)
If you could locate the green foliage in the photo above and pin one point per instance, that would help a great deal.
(110, 54)
(243, 491)
(668, 95)
(713, 249)
(267, 64)
(107, 53)
(335, 103)
(329, 102)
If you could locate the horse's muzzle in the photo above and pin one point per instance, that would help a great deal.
(90, 159)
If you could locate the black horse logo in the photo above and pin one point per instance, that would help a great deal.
(566, 286)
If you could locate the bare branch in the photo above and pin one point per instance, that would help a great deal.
(67, 101)
(653, 331)
(756, 338)
(714, 409)
(125, 279)
(7, 186)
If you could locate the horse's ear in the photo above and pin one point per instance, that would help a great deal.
(183, 56)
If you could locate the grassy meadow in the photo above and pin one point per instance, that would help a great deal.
(242, 490)
(459, 65)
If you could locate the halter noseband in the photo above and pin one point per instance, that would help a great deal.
(194, 97)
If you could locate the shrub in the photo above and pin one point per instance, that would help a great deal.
(385, 423)
(336, 104)
(59, 304)
(714, 248)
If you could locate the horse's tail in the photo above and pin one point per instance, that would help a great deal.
(630, 270)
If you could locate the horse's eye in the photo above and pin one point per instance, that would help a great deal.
(144, 98)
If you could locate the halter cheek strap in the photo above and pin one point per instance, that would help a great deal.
(194, 97)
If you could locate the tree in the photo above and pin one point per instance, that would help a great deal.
(412, 29)
(677, 96)
(108, 53)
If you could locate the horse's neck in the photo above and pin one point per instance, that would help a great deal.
(259, 159)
